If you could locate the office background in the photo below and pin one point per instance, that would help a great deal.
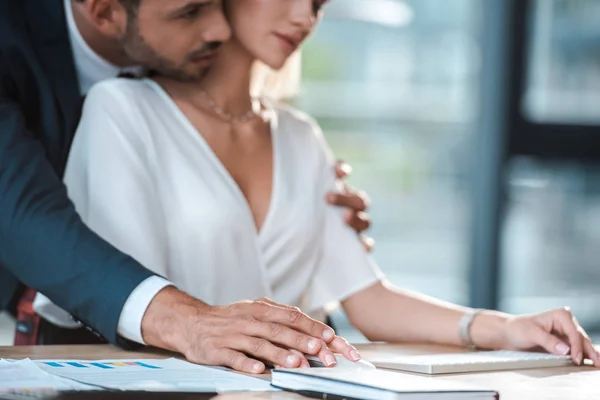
(475, 127)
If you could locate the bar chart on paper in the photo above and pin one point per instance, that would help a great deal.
(101, 365)
(25, 378)
(153, 375)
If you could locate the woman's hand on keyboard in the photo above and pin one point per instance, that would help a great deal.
(556, 331)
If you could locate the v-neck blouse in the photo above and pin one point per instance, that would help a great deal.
(144, 178)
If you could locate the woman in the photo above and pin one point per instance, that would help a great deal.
(208, 186)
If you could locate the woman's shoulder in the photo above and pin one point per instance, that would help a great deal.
(296, 121)
(303, 130)
(120, 90)
(118, 105)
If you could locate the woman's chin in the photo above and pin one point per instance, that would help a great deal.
(275, 63)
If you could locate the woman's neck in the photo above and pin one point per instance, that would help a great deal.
(229, 78)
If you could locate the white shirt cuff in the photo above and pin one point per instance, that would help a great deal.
(130, 321)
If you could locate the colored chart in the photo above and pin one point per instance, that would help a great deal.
(101, 365)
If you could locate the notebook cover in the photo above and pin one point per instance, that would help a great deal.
(386, 380)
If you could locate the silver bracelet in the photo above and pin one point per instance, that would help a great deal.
(465, 327)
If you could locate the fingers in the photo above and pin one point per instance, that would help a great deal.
(276, 304)
(565, 323)
(337, 345)
(342, 170)
(359, 221)
(341, 346)
(297, 325)
(591, 352)
(549, 342)
(304, 362)
(588, 348)
(287, 337)
(264, 350)
(368, 243)
(327, 357)
(355, 201)
(238, 361)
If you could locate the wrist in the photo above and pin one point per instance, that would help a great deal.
(166, 322)
(488, 330)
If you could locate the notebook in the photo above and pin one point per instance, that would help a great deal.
(471, 362)
(372, 384)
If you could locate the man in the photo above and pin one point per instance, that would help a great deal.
(50, 55)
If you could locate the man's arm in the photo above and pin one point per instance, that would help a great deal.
(44, 243)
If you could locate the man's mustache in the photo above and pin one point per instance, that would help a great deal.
(206, 50)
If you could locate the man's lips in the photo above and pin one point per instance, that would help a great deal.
(205, 58)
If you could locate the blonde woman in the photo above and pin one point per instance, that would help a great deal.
(210, 186)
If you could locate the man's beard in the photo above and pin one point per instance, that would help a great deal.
(138, 50)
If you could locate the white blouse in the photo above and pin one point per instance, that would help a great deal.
(144, 179)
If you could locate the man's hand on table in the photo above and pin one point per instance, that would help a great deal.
(245, 336)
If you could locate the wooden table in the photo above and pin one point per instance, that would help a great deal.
(569, 383)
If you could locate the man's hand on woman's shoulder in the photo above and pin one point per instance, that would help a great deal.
(356, 202)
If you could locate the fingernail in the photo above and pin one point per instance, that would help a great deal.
(312, 344)
(579, 358)
(256, 368)
(354, 355)
(330, 198)
(327, 335)
(329, 360)
(562, 349)
(348, 216)
(292, 360)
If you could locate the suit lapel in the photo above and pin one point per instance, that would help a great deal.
(49, 34)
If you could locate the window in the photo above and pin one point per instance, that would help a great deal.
(551, 233)
(564, 72)
(393, 84)
(551, 239)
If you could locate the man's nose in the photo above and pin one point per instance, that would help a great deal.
(219, 30)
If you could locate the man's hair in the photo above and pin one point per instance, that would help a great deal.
(131, 6)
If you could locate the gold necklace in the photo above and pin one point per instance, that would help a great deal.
(257, 106)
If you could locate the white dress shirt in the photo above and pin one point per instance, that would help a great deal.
(91, 69)
(142, 176)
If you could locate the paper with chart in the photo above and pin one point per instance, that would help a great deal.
(24, 377)
(154, 375)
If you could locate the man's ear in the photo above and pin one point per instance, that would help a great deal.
(109, 16)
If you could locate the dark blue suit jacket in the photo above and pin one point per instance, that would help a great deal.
(43, 242)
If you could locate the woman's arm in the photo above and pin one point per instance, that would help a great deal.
(384, 313)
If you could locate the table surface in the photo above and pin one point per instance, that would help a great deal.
(571, 383)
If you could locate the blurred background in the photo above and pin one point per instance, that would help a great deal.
(404, 91)
(474, 125)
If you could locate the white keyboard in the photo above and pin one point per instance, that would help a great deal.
(471, 362)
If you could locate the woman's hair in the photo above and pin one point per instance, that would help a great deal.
(280, 85)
